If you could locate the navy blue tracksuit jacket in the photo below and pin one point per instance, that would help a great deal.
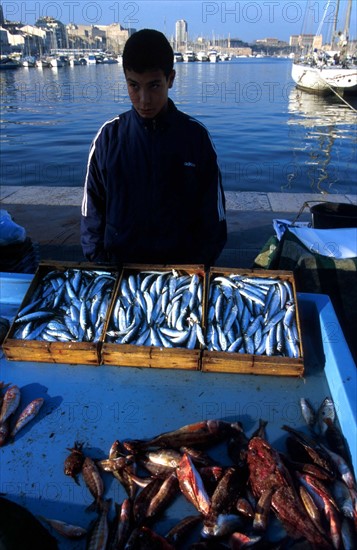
(153, 192)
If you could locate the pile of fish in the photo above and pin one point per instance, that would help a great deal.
(67, 306)
(156, 308)
(10, 425)
(256, 497)
(254, 315)
(245, 314)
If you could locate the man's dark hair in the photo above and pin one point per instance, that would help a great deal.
(148, 50)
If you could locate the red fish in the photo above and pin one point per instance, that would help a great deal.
(93, 480)
(267, 472)
(191, 485)
(27, 415)
(10, 403)
(206, 432)
(74, 461)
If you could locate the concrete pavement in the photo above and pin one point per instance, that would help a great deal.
(51, 217)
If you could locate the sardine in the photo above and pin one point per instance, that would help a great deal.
(343, 468)
(326, 410)
(336, 440)
(308, 412)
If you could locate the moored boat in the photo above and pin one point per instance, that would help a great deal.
(73, 61)
(43, 63)
(178, 57)
(224, 57)
(331, 68)
(8, 63)
(54, 62)
(202, 56)
(28, 61)
(189, 56)
(325, 79)
(109, 60)
(91, 59)
(213, 56)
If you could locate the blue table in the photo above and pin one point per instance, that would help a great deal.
(97, 405)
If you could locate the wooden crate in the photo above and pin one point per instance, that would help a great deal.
(131, 355)
(72, 352)
(235, 362)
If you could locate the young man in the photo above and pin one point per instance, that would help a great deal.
(153, 191)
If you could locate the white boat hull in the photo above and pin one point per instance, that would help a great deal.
(189, 57)
(324, 80)
(55, 63)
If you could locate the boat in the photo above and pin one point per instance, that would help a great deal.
(28, 61)
(8, 63)
(328, 69)
(54, 62)
(189, 56)
(43, 63)
(109, 60)
(91, 59)
(224, 56)
(202, 56)
(178, 57)
(73, 61)
(213, 56)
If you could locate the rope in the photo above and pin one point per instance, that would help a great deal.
(339, 96)
(333, 90)
(306, 204)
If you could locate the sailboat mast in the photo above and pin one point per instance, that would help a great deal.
(333, 36)
(348, 19)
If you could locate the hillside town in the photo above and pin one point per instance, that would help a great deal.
(49, 37)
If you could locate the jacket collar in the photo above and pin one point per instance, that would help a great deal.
(161, 120)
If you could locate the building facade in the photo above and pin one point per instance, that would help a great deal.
(180, 33)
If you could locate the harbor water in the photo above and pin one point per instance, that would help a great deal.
(269, 136)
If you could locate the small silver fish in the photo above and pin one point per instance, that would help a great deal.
(326, 410)
(308, 412)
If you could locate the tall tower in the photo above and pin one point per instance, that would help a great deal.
(180, 33)
(2, 19)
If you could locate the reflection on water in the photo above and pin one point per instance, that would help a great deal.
(269, 136)
(326, 122)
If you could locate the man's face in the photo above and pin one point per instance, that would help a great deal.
(148, 91)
